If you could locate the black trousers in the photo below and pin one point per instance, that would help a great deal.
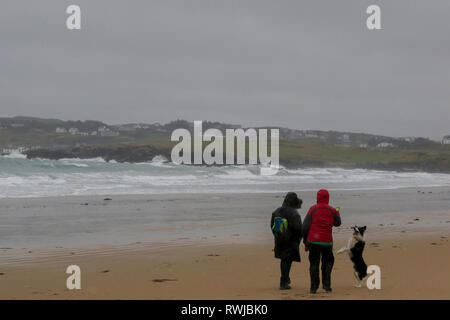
(316, 253)
(285, 266)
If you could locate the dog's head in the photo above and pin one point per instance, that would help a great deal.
(359, 231)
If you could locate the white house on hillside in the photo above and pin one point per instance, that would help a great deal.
(61, 130)
(106, 132)
(408, 139)
(74, 131)
(446, 140)
(385, 145)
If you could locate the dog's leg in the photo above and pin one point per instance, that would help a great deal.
(342, 250)
(346, 248)
(358, 281)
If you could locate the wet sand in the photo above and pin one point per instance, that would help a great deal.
(413, 266)
(92, 221)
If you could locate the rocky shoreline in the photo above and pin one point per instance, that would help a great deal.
(131, 154)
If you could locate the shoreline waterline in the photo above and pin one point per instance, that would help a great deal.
(79, 221)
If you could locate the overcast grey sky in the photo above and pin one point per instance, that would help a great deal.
(300, 64)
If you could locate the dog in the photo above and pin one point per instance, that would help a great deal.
(355, 248)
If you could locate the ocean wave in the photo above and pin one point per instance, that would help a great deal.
(21, 177)
(15, 154)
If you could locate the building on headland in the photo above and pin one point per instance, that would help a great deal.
(106, 132)
(408, 139)
(309, 134)
(74, 131)
(132, 127)
(446, 140)
(103, 131)
(385, 145)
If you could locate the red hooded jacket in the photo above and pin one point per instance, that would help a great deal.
(319, 222)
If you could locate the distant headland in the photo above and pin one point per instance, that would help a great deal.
(140, 142)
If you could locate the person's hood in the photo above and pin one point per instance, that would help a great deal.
(291, 200)
(323, 196)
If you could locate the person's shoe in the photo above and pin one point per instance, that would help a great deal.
(285, 287)
(327, 289)
(313, 291)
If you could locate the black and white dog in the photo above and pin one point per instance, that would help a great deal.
(355, 248)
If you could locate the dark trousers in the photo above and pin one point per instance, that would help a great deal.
(316, 252)
(285, 267)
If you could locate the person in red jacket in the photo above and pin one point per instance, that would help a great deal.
(318, 238)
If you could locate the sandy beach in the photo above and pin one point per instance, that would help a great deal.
(226, 257)
(412, 267)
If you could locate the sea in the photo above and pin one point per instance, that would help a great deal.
(21, 177)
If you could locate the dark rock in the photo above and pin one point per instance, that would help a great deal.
(121, 153)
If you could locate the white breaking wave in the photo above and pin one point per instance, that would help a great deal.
(20, 177)
(15, 154)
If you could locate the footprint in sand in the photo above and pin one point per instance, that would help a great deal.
(163, 280)
(213, 255)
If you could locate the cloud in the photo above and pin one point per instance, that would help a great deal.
(299, 64)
